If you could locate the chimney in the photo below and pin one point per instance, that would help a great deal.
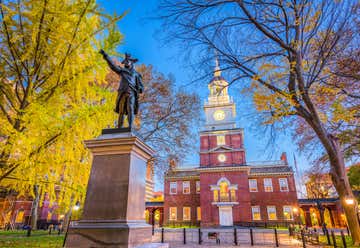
(284, 158)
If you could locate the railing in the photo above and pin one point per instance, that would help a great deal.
(225, 236)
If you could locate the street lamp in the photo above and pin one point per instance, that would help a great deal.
(349, 201)
(296, 217)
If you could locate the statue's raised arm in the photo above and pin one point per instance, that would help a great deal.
(111, 64)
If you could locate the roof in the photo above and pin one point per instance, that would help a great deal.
(182, 173)
(256, 170)
(314, 201)
(154, 204)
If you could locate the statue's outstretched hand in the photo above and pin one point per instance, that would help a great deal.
(102, 52)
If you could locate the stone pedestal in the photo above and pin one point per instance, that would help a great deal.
(114, 210)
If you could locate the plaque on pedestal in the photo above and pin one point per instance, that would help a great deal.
(114, 209)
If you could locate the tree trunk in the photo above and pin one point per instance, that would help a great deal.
(343, 188)
(338, 176)
(34, 208)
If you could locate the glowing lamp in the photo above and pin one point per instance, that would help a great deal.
(349, 201)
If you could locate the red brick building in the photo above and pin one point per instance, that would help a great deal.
(224, 189)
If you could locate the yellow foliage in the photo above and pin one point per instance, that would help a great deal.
(63, 102)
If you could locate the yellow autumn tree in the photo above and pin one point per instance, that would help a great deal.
(51, 94)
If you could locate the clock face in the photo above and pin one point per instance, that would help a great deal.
(221, 158)
(219, 115)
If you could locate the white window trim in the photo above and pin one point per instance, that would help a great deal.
(267, 208)
(170, 213)
(184, 187)
(252, 212)
(287, 184)
(172, 183)
(189, 213)
(272, 188)
(291, 212)
(257, 189)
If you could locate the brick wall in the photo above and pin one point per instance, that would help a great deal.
(208, 142)
(181, 200)
(275, 198)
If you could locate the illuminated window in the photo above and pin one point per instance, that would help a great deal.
(186, 187)
(198, 213)
(186, 213)
(288, 214)
(216, 196)
(233, 195)
(255, 210)
(253, 185)
(271, 210)
(197, 187)
(224, 191)
(172, 213)
(283, 184)
(20, 216)
(268, 185)
(173, 188)
(220, 140)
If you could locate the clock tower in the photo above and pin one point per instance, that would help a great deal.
(219, 108)
(221, 143)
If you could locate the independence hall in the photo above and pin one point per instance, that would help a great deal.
(224, 189)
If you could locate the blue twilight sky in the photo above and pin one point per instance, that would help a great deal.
(141, 40)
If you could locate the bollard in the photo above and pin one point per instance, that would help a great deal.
(343, 239)
(59, 231)
(50, 230)
(328, 237)
(303, 238)
(251, 237)
(184, 236)
(235, 237)
(276, 238)
(162, 235)
(28, 234)
(333, 238)
(200, 238)
(152, 230)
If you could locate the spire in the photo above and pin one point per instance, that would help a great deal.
(217, 71)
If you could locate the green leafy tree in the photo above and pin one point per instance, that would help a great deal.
(51, 94)
(283, 54)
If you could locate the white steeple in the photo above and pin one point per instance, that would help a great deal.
(219, 108)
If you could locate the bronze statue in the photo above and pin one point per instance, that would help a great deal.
(127, 102)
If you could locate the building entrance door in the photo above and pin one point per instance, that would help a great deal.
(226, 216)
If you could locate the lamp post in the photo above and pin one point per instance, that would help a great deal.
(296, 216)
(75, 208)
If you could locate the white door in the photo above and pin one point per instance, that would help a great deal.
(225, 216)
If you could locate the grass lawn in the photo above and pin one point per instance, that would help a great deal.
(349, 243)
(37, 239)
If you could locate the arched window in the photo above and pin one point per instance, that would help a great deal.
(224, 191)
